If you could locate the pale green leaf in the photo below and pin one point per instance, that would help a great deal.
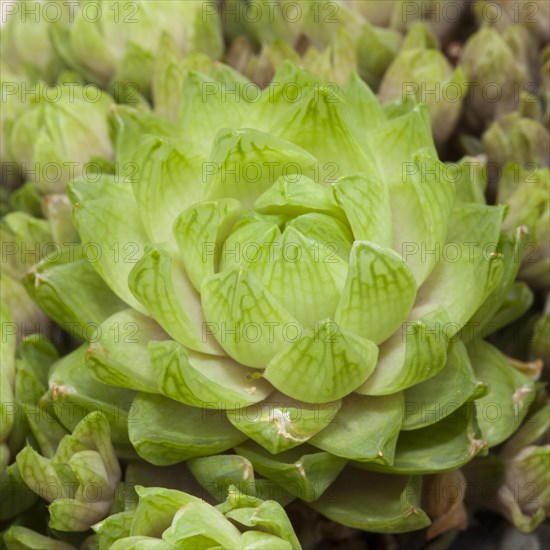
(378, 294)
(325, 364)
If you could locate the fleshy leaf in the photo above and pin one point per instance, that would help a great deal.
(75, 393)
(326, 233)
(130, 125)
(416, 352)
(118, 356)
(374, 502)
(468, 260)
(200, 231)
(245, 163)
(365, 428)
(268, 516)
(168, 180)
(421, 198)
(301, 471)
(217, 473)
(298, 271)
(160, 283)
(378, 294)
(432, 400)
(443, 446)
(73, 294)
(365, 112)
(366, 202)
(254, 239)
(319, 112)
(196, 524)
(235, 300)
(258, 540)
(18, 537)
(111, 229)
(155, 510)
(138, 543)
(502, 410)
(511, 248)
(295, 195)
(333, 361)
(204, 380)
(207, 105)
(112, 528)
(280, 423)
(165, 432)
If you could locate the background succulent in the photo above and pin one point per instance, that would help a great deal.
(165, 518)
(114, 44)
(50, 159)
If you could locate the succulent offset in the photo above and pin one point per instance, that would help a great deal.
(167, 518)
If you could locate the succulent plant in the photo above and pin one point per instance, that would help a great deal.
(516, 478)
(495, 91)
(421, 70)
(49, 158)
(503, 13)
(114, 44)
(167, 518)
(334, 46)
(277, 295)
(518, 141)
(24, 371)
(360, 365)
(518, 153)
(27, 49)
(80, 477)
(330, 38)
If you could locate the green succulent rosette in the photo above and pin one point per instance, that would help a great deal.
(501, 70)
(515, 481)
(422, 71)
(114, 43)
(24, 240)
(79, 478)
(27, 49)
(520, 140)
(25, 362)
(503, 13)
(443, 16)
(517, 152)
(331, 39)
(168, 518)
(272, 284)
(64, 134)
(24, 377)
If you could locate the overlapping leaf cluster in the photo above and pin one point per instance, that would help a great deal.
(259, 297)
